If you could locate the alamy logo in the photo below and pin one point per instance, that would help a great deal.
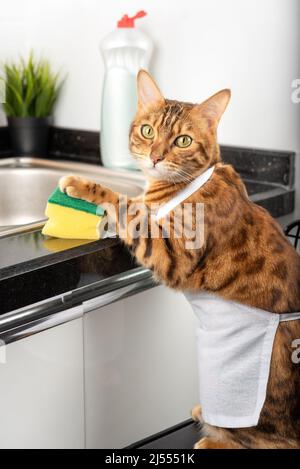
(138, 220)
(2, 352)
(296, 353)
(295, 96)
(2, 91)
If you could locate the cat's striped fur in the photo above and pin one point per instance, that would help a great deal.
(245, 256)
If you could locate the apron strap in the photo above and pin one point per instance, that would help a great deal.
(289, 317)
(184, 193)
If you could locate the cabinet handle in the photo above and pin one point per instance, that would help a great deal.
(38, 325)
(69, 306)
(116, 295)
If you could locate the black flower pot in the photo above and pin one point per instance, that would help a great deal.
(29, 135)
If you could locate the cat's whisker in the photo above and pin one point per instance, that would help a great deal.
(187, 176)
(183, 172)
(179, 170)
(184, 175)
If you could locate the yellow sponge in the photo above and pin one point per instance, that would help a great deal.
(72, 218)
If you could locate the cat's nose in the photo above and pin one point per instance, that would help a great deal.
(155, 158)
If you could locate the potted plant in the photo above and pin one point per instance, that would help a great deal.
(31, 93)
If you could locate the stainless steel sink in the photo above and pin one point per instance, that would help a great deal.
(26, 183)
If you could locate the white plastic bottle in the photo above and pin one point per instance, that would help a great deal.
(125, 51)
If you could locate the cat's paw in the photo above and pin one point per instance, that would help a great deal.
(204, 443)
(211, 443)
(196, 414)
(74, 186)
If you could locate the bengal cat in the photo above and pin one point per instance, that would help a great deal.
(245, 256)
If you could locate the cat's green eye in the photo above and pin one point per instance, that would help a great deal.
(183, 141)
(147, 131)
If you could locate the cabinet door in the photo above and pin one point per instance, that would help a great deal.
(140, 367)
(41, 390)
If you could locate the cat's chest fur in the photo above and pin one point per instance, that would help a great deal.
(245, 256)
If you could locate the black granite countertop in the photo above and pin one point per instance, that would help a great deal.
(34, 267)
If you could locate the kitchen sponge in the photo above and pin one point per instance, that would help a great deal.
(72, 218)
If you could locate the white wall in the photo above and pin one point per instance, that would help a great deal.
(251, 46)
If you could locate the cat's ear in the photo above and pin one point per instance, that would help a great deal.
(214, 107)
(149, 95)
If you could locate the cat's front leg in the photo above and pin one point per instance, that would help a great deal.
(132, 221)
(81, 188)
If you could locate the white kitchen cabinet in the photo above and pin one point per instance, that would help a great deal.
(140, 367)
(41, 390)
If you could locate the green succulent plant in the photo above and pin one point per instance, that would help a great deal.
(31, 88)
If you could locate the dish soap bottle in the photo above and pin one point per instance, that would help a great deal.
(125, 51)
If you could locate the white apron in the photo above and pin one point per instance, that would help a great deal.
(234, 345)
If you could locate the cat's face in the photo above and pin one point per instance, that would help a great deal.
(172, 140)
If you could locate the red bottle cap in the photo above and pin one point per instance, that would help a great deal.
(127, 22)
